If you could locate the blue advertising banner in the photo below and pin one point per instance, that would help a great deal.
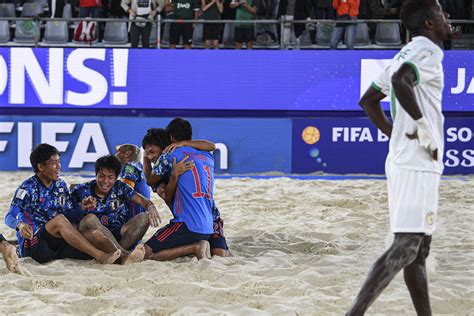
(243, 145)
(117, 79)
(354, 145)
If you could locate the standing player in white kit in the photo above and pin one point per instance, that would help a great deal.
(414, 164)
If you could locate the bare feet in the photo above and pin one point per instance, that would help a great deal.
(109, 258)
(10, 256)
(136, 255)
(203, 250)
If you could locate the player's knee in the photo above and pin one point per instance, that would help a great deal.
(424, 250)
(61, 221)
(89, 221)
(405, 248)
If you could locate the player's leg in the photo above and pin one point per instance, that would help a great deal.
(217, 240)
(416, 281)
(175, 240)
(199, 249)
(134, 230)
(9, 254)
(60, 227)
(402, 252)
(102, 238)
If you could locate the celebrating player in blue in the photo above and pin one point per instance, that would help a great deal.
(109, 223)
(180, 132)
(40, 210)
(191, 226)
(132, 173)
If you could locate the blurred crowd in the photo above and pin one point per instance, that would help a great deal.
(246, 33)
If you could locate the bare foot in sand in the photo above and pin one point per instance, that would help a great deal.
(109, 258)
(136, 255)
(203, 250)
(10, 256)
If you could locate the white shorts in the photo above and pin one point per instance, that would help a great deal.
(412, 199)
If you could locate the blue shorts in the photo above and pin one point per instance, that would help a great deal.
(44, 247)
(174, 235)
(217, 240)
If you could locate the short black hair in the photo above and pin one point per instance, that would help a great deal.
(41, 154)
(414, 13)
(156, 136)
(180, 129)
(108, 162)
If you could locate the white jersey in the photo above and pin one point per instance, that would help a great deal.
(425, 57)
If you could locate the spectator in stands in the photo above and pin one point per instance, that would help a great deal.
(90, 8)
(346, 10)
(56, 8)
(244, 33)
(322, 10)
(181, 10)
(212, 10)
(374, 10)
(141, 11)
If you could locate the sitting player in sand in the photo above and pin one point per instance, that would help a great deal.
(41, 211)
(108, 223)
(191, 226)
(132, 173)
(9, 255)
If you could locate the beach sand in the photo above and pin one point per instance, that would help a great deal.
(299, 248)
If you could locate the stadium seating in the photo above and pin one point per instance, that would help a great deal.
(56, 33)
(7, 10)
(323, 33)
(362, 35)
(32, 9)
(4, 32)
(27, 32)
(388, 34)
(116, 33)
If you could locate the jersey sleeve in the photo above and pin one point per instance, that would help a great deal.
(163, 166)
(20, 203)
(128, 191)
(382, 83)
(425, 63)
(130, 175)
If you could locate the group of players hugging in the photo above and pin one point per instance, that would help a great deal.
(106, 218)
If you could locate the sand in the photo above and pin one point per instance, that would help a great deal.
(299, 248)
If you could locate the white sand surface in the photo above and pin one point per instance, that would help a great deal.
(299, 248)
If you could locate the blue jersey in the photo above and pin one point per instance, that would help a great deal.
(35, 204)
(113, 211)
(193, 203)
(133, 172)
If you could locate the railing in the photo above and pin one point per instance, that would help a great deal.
(282, 23)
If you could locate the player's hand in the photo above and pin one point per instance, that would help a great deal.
(153, 215)
(182, 166)
(424, 136)
(26, 231)
(89, 203)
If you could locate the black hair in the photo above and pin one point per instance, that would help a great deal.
(414, 13)
(41, 154)
(180, 129)
(156, 136)
(108, 162)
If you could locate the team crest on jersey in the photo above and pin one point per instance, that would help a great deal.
(113, 196)
(20, 194)
(61, 190)
(104, 220)
(430, 218)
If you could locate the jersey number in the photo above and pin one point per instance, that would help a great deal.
(197, 182)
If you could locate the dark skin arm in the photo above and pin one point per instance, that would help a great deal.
(403, 82)
(178, 169)
(370, 101)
